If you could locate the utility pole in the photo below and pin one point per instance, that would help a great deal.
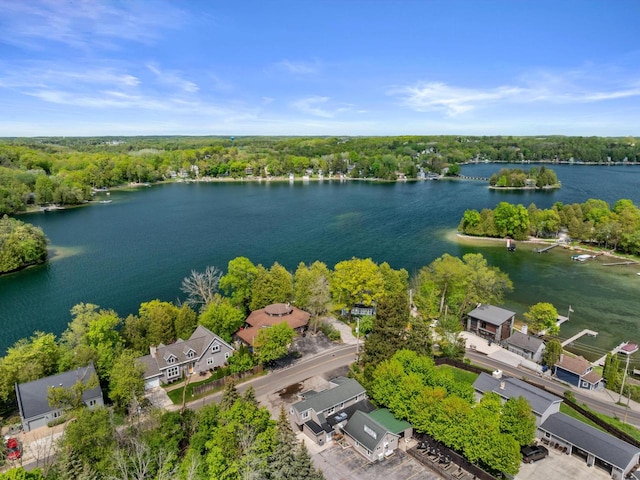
(357, 338)
(628, 349)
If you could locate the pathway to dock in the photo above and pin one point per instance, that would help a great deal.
(586, 331)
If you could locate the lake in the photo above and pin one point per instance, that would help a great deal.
(140, 246)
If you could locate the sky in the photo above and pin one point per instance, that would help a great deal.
(319, 67)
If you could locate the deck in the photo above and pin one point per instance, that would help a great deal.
(582, 333)
(602, 359)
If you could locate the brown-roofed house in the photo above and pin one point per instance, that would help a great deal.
(272, 315)
(577, 371)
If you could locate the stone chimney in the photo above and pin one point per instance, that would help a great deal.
(502, 384)
(152, 350)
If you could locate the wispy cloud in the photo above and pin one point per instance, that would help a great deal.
(551, 89)
(316, 105)
(299, 67)
(85, 23)
(174, 79)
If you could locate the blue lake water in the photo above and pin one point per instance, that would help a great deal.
(142, 245)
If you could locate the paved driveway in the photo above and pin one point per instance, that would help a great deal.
(560, 465)
(338, 463)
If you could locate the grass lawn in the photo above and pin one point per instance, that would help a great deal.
(616, 422)
(176, 395)
(459, 375)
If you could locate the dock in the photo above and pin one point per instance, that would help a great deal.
(582, 333)
(546, 249)
(630, 262)
(601, 360)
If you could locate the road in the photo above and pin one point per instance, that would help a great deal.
(596, 404)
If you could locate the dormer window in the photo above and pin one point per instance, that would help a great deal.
(215, 348)
(191, 354)
(171, 359)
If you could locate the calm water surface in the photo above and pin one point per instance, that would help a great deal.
(141, 246)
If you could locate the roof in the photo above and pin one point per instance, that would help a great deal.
(364, 429)
(347, 412)
(33, 396)
(592, 377)
(525, 342)
(199, 342)
(578, 365)
(385, 418)
(539, 400)
(607, 447)
(272, 315)
(346, 390)
(491, 314)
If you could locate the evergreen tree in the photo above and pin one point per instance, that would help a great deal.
(389, 332)
(281, 462)
(229, 396)
(303, 465)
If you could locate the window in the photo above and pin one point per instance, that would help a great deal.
(91, 403)
(173, 372)
(305, 414)
(341, 406)
(215, 348)
(331, 410)
(171, 359)
(190, 354)
(210, 361)
(227, 355)
(57, 414)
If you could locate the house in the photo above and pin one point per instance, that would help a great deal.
(369, 438)
(543, 404)
(204, 350)
(527, 346)
(33, 402)
(577, 371)
(597, 448)
(318, 414)
(268, 317)
(493, 323)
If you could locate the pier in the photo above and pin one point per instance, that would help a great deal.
(582, 333)
(546, 249)
(630, 262)
(601, 360)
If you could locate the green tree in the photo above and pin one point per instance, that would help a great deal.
(511, 220)
(21, 245)
(356, 281)
(186, 322)
(126, 382)
(552, 352)
(311, 288)
(221, 317)
(389, 333)
(70, 398)
(271, 286)
(238, 281)
(19, 473)
(273, 343)
(92, 438)
(160, 318)
(518, 420)
(611, 372)
(543, 317)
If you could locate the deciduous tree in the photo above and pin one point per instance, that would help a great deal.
(543, 317)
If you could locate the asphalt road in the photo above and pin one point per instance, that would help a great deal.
(596, 404)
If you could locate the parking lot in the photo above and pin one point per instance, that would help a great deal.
(560, 465)
(338, 463)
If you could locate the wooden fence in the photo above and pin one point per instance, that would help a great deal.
(207, 387)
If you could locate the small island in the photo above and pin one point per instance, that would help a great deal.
(21, 245)
(518, 179)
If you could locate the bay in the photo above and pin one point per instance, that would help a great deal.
(141, 246)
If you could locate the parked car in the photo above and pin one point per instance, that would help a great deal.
(532, 453)
(13, 449)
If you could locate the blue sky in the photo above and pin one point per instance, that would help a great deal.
(332, 67)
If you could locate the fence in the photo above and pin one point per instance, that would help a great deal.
(207, 387)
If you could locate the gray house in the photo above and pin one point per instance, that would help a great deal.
(526, 346)
(543, 404)
(204, 350)
(318, 414)
(492, 323)
(597, 448)
(32, 397)
(369, 438)
(578, 371)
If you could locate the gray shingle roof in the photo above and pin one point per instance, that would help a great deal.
(347, 389)
(369, 437)
(601, 444)
(491, 314)
(539, 400)
(525, 342)
(32, 396)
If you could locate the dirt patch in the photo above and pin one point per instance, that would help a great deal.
(288, 394)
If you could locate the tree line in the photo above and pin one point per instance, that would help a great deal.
(38, 171)
(592, 222)
(21, 245)
(542, 177)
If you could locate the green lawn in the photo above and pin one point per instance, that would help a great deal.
(616, 422)
(176, 395)
(462, 376)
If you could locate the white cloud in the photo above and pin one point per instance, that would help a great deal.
(313, 106)
(174, 78)
(299, 67)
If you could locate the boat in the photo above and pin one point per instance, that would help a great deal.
(511, 245)
(581, 258)
(105, 201)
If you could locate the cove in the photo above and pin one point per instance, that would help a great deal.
(140, 246)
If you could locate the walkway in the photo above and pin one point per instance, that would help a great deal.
(602, 359)
(586, 331)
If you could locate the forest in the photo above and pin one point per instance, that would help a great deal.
(517, 178)
(21, 245)
(593, 222)
(64, 170)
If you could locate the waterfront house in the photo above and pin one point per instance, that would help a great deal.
(577, 371)
(543, 404)
(527, 346)
(318, 414)
(204, 350)
(490, 322)
(268, 317)
(33, 397)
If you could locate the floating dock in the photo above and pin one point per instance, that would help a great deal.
(546, 249)
(582, 333)
(602, 359)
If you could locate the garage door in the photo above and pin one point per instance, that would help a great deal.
(152, 383)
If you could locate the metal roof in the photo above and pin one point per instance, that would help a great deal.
(365, 430)
(385, 418)
(491, 314)
(525, 342)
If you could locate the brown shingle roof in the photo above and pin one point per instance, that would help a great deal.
(272, 315)
(592, 377)
(578, 365)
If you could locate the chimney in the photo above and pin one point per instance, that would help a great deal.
(561, 358)
(152, 350)
(502, 385)
(497, 374)
(525, 329)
